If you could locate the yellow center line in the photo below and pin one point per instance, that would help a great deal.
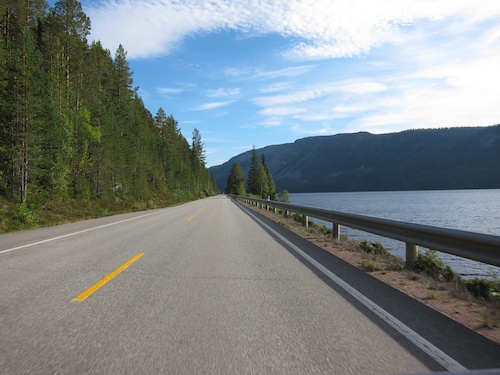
(101, 283)
(190, 218)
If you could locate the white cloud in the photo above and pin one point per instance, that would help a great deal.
(437, 64)
(286, 72)
(291, 98)
(272, 122)
(318, 91)
(281, 86)
(213, 105)
(169, 90)
(219, 93)
(325, 28)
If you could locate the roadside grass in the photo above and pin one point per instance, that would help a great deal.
(54, 211)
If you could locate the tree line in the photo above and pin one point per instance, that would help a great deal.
(260, 181)
(73, 126)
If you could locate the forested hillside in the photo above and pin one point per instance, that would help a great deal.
(73, 128)
(452, 158)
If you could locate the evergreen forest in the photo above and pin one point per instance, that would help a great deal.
(76, 140)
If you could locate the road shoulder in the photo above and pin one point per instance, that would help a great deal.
(473, 350)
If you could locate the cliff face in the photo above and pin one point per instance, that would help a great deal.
(454, 158)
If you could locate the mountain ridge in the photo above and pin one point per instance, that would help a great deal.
(422, 159)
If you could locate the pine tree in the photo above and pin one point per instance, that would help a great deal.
(123, 76)
(271, 187)
(236, 181)
(253, 174)
(21, 83)
(197, 157)
(260, 181)
(263, 183)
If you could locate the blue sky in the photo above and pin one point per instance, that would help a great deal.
(261, 72)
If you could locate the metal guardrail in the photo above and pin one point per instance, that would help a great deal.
(476, 246)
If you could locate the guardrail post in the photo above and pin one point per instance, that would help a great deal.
(411, 254)
(274, 210)
(336, 231)
(305, 221)
(287, 213)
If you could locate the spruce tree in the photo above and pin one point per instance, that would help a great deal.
(254, 184)
(271, 187)
(236, 181)
(197, 157)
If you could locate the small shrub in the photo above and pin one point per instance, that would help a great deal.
(26, 215)
(488, 290)
(323, 230)
(283, 196)
(432, 295)
(430, 264)
(489, 322)
(370, 265)
(373, 248)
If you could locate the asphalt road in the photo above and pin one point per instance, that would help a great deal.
(209, 290)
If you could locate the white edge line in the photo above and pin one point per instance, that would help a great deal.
(434, 352)
(75, 233)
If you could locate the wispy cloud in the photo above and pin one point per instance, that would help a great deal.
(221, 92)
(286, 72)
(325, 28)
(169, 90)
(318, 91)
(275, 87)
(213, 105)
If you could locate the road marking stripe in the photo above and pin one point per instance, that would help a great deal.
(434, 352)
(75, 233)
(190, 218)
(94, 288)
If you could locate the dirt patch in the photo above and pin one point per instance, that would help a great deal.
(458, 305)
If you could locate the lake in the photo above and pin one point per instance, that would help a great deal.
(469, 210)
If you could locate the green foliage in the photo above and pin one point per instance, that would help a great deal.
(283, 196)
(370, 265)
(27, 215)
(488, 290)
(268, 181)
(236, 181)
(72, 127)
(373, 248)
(254, 182)
(429, 263)
(260, 181)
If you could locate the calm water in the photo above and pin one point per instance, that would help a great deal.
(469, 210)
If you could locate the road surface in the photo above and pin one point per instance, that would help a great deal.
(199, 288)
